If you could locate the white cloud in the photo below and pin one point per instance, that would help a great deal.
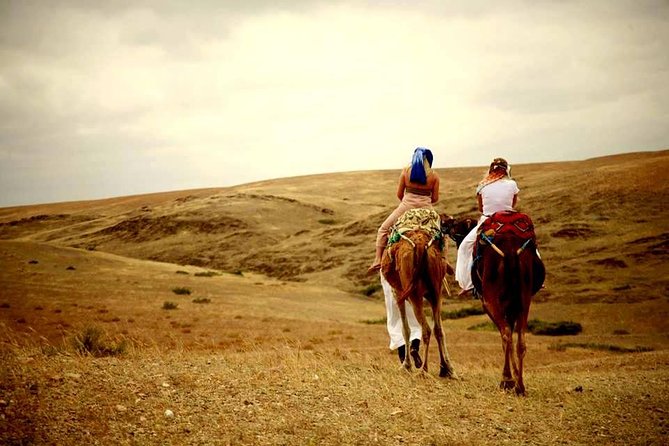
(162, 96)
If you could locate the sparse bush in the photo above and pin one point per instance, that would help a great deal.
(621, 332)
(4, 305)
(70, 268)
(327, 221)
(201, 300)
(371, 289)
(181, 290)
(483, 326)
(594, 346)
(382, 320)
(562, 328)
(206, 274)
(462, 312)
(237, 272)
(167, 305)
(182, 272)
(92, 341)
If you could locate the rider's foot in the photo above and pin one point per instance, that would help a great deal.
(465, 292)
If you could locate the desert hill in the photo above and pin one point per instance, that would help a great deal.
(600, 223)
(236, 316)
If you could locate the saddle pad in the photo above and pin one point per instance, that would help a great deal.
(416, 219)
(508, 222)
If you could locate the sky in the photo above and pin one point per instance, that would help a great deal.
(104, 99)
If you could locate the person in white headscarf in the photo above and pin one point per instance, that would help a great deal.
(496, 192)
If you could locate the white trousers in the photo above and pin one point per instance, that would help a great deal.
(463, 264)
(394, 320)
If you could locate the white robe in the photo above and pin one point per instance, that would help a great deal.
(394, 320)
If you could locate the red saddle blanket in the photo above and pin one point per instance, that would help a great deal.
(508, 222)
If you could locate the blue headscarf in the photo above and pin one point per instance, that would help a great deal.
(417, 168)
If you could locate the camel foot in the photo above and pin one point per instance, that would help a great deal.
(416, 358)
(520, 390)
(446, 371)
(406, 365)
(507, 384)
(375, 268)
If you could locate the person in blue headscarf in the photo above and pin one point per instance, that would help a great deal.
(418, 188)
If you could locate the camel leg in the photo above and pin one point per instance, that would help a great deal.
(446, 368)
(406, 333)
(507, 343)
(425, 327)
(521, 347)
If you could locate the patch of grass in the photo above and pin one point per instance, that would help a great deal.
(620, 331)
(371, 289)
(462, 312)
(167, 305)
(327, 221)
(483, 326)
(201, 300)
(237, 272)
(594, 346)
(70, 268)
(379, 321)
(561, 328)
(206, 274)
(182, 272)
(181, 290)
(92, 341)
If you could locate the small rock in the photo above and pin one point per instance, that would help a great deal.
(578, 389)
(121, 408)
(142, 419)
(166, 385)
(169, 413)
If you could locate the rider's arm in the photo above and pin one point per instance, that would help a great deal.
(435, 189)
(401, 186)
(515, 200)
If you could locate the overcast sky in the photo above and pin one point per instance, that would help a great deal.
(131, 97)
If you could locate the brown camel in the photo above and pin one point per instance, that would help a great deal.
(507, 273)
(414, 268)
(457, 228)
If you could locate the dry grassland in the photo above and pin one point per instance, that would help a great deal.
(284, 347)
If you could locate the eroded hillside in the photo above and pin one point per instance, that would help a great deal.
(600, 223)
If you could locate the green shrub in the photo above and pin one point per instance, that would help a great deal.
(167, 305)
(327, 221)
(371, 289)
(206, 274)
(562, 328)
(380, 321)
(462, 312)
(181, 290)
(182, 272)
(594, 346)
(483, 326)
(92, 341)
(201, 300)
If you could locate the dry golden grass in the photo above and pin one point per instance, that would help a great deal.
(280, 353)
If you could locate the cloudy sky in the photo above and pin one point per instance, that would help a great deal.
(101, 99)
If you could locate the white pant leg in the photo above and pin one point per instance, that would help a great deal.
(394, 320)
(463, 264)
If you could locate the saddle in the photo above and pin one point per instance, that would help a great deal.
(506, 223)
(422, 219)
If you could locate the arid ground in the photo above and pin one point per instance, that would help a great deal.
(243, 315)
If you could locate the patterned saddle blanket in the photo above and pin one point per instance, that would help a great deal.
(508, 222)
(416, 219)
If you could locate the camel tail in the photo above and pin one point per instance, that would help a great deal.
(412, 266)
(512, 279)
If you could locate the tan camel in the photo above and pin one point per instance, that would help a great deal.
(414, 268)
